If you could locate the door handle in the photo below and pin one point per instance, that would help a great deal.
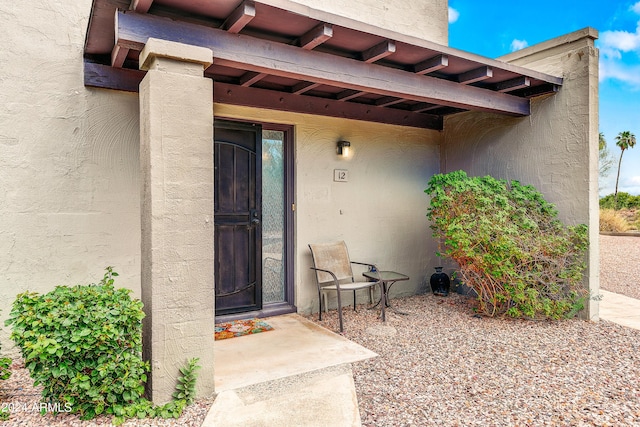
(253, 214)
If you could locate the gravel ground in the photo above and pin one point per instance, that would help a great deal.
(20, 396)
(619, 265)
(441, 366)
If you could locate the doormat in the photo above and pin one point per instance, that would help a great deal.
(238, 328)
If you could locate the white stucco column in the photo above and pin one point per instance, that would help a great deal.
(176, 156)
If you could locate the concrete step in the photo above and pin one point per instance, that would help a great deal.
(326, 397)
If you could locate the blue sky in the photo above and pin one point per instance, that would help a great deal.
(495, 28)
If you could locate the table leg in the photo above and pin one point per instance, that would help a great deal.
(386, 292)
(383, 300)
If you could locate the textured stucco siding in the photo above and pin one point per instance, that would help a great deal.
(425, 19)
(380, 212)
(554, 149)
(69, 173)
(176, 154)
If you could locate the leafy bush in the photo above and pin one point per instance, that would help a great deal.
(5, 368)
(5, 373)
(625, 200)
(186, 388)
(83, 344)
(612, 221)
(511, 249)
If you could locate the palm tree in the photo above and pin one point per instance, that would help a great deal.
(624, 140)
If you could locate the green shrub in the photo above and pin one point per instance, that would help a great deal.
(186, 387)
(510, 247)
(83, 344)
(625, 200)
(5, 373)
(5, 368)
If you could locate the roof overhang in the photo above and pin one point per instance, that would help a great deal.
(303, 60)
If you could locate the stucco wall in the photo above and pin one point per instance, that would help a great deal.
(380, 212)
(70, 174)
(555, 149)
(69, 190)
(425, 19)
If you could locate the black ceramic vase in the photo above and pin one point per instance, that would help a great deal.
(440, 283)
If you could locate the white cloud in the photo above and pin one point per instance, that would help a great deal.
(453, 15)
(612, 69)
(613, 46)
(614, 42)
(634, 180)
(518, 44)
(630, 185)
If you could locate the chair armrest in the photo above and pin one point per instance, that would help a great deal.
(335, 279)
(375, 268)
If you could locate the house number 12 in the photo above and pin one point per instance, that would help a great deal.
(340, 175)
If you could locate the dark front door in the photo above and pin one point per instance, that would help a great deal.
(238, 216)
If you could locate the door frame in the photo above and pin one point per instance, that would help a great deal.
(288, 305)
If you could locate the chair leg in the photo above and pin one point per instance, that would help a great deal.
(354, 300)
(319, 304)
(340, 312)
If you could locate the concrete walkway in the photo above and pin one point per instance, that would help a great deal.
(620, 309)
(299, 374)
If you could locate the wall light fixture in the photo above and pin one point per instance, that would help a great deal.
(343, 148)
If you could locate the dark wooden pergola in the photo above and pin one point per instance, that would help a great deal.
(279, 55)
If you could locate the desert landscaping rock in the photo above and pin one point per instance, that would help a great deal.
(619, 269)
(446, 367)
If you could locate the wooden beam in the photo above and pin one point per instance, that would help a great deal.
(98, 41)
(101, 28)
(348, 94)
(513, 84)
(385, 101)
(118, 55)
(316, 36)
(430, 65)
(104, 76)
(444, 111)
(240, 17)
(251, 77)
(543, 89)
(379, 51)
(269, 99)
(141, 6)
(264, 56)
(303, 87)
(475, 75)
(424, 106)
